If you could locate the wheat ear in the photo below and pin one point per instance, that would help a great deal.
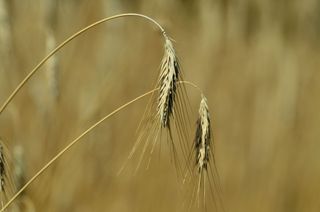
(169, 75)
(168, 104)
(203, 136)
(207, 177)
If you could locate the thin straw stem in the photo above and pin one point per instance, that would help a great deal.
(71, 144)
(76, 140)
(37, 67)
(192, 84)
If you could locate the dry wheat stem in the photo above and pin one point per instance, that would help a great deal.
(169, 77)
(72, 143)
(37, 67)
(193, 85)
(75, 141)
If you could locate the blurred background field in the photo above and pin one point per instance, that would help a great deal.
(257, 62)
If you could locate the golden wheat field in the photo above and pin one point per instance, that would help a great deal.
(256, 61)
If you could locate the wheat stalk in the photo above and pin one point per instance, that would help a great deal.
(52, 71)
(5, 29)
(42, 62)
(169, 105)
(52, 67)
(5, 39)
(70, 145)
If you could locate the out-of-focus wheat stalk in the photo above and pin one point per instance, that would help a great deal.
(5, 31)
(3, 175)
(52, 65)
(23, 203)
(19, 166)
(5, 38)
(52, 71)
(7, 186)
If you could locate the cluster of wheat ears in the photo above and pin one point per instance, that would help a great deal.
(166, 115)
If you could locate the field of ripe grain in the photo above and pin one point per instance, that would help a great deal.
(256, 61)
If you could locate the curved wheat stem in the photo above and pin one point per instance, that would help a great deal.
(37, 67)
(193, 85)
(168, 80)
(76, 140)
(71, 144)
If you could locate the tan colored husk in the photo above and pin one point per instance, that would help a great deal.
(169, 74)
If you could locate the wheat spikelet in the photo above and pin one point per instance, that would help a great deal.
(202, 145)
(169, 74)
(166, 116)
(203, 136)
(205, 178)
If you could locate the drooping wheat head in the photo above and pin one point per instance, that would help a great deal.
(165, 116)
(169, 75)
(205, 191)
(203, 136)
